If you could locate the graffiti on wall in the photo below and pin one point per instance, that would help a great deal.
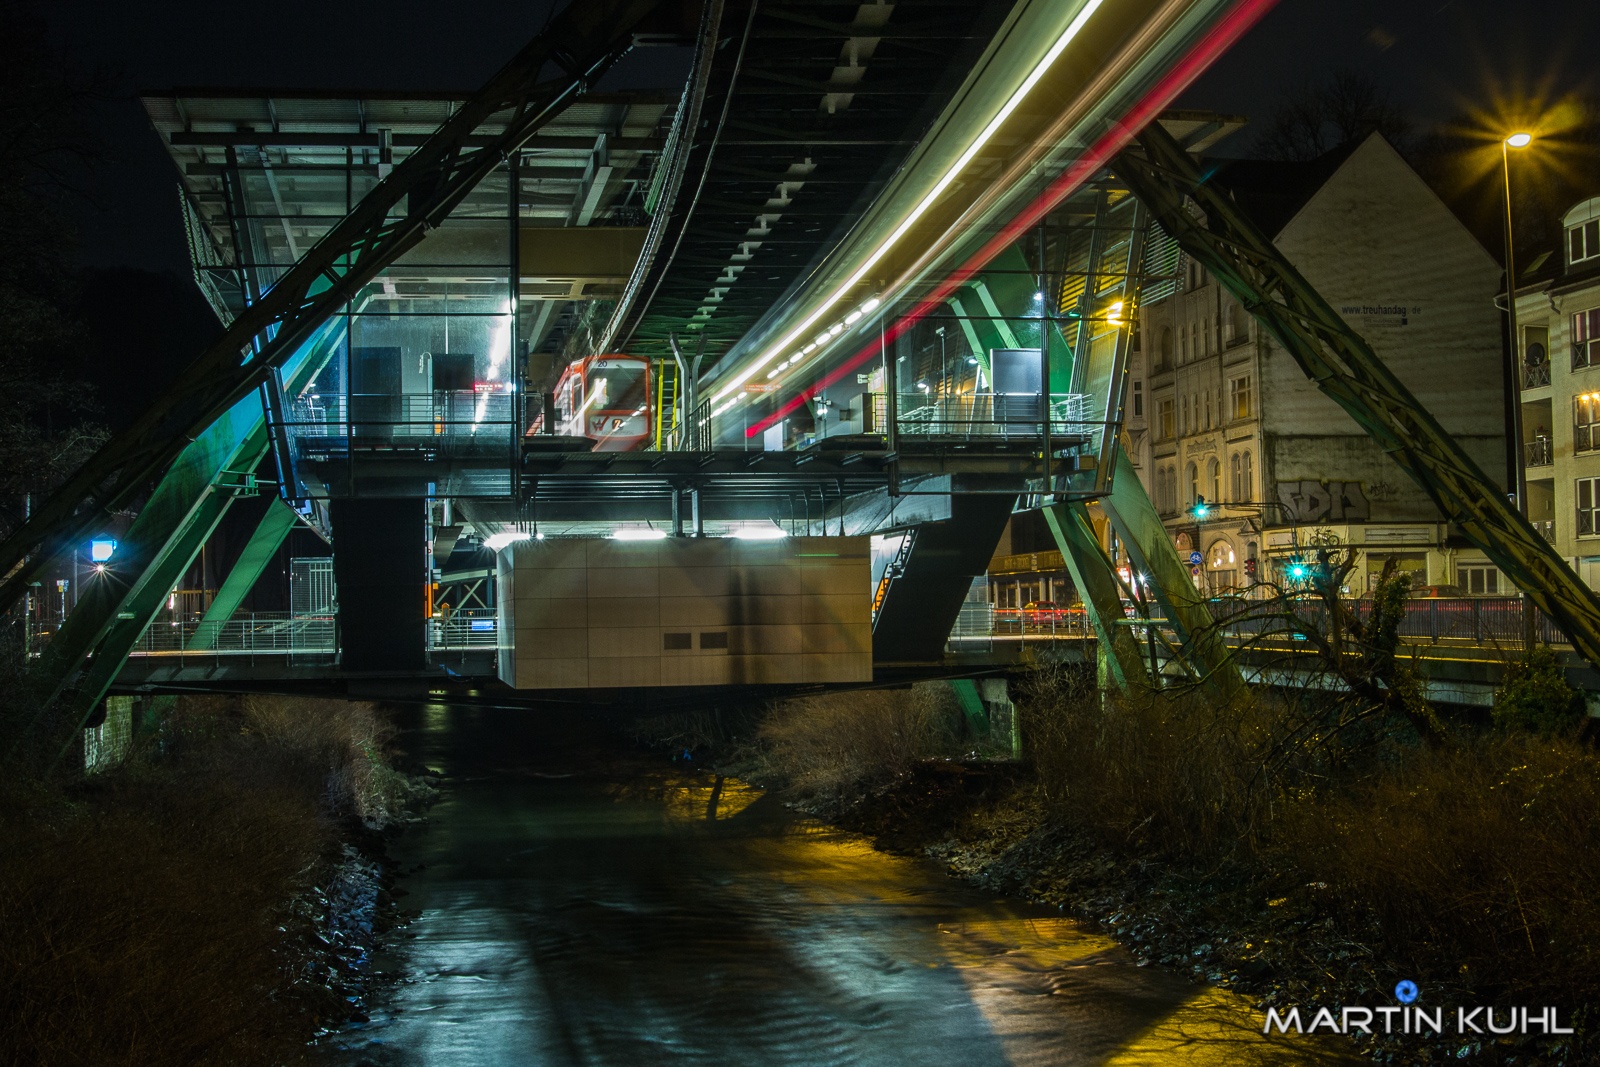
(1325, 501)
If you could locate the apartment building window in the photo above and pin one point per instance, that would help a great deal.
(1478, 579)
(1239, 397)
(1193, 473)
(1164, 352)
(1241, 477)
(1588, 507)
(1586, 339)
(1238, 324)
(1165, 419)
(1585, 415)
(1583, 241)
(1214, 478)
(1166, 490)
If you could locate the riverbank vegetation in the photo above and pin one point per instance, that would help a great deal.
(1309, 846)
(186, 905)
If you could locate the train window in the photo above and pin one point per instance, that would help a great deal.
(674, 642)
(714, 639)
(620, 384)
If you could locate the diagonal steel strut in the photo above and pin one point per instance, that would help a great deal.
(582, 42)
(1344, 367)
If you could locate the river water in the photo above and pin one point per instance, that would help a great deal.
(577, 906)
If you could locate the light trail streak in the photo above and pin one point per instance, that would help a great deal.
(1219, 39)
(950, 175)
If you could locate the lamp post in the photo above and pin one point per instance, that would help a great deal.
(1516, 470)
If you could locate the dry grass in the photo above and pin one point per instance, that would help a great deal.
(839, 745)
(149, 912)
(1480, 860)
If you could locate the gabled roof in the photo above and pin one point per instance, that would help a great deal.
(1272, 191)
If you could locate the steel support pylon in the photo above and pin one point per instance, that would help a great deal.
(582, 42)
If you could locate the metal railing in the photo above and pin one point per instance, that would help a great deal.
(1484, 621)
(995, 415)
(1540, 452)
(1535, 374)
(1546, 528)
(282, 634)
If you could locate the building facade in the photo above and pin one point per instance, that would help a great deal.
(1220, 411)
(1558, 318)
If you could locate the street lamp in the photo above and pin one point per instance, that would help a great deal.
(1514, 466)
(1516, 470)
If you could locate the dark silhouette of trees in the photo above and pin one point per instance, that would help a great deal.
(43, 145)
(1320, 116)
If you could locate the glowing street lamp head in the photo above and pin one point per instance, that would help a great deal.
(101, 549)
(1520, 140)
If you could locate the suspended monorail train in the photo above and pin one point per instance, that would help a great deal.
(608, 399)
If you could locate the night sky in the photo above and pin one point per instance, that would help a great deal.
(1437, 59)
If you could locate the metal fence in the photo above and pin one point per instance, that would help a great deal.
(314, 637)
(1480, 621)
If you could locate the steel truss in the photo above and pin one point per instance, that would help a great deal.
(1345, 368)
(582, 42)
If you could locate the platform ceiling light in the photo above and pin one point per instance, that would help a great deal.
(637, 533)
(496, 542)
(760, 533)
(932, 197)
(1038, 298)
(101, 549)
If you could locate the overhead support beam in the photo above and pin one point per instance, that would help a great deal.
(582, 42)
(274, 527)
(1341, 363)
(1095, 578)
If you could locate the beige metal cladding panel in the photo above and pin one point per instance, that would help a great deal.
(624, 581)
(552, 673)
(836, 637)
(784, 639)
(694, 552)
(624, 671)
(765, 610)
(614, 642)
(534, 643)
(836, 607)
(566, 612)
(605, 553)
(535, 556)
(851, 667)
(780, 580)
(686, 611)
(765, 670)
(842, 578)
(696, 581)
(694, 670)
(553, 583)
(624, 611)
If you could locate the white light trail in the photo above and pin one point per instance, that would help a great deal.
(926, 202)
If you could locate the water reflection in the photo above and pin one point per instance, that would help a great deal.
(578, 908)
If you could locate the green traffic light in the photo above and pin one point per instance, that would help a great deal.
(1201, 509)
(1298, 571)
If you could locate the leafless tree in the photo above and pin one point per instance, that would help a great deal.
(1320, 116)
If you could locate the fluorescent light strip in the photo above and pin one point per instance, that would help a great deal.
(927, 201)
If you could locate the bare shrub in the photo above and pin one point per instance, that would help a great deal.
(350, 737)
(1163, 770)
(144, 920)
(1480, 859)
(840, 743)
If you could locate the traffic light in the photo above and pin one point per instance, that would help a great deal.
(1298, 571)
(1201, 509)
(1250, 568)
